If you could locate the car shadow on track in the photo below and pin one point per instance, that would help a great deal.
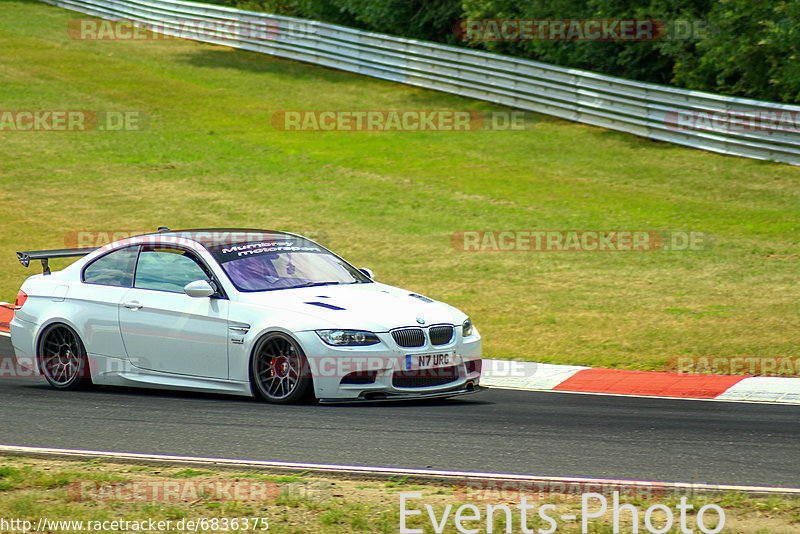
(148, 393)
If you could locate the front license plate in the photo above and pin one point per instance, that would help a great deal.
(429, 361)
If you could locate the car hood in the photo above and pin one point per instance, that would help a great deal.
(372, 306)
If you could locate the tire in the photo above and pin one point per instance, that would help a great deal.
(279, 370)
(62, 358)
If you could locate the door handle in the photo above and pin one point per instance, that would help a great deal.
(132, 305)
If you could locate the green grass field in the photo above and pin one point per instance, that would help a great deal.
(391, 200)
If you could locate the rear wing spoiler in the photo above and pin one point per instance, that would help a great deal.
(45, 255)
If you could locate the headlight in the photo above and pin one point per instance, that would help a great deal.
(347, 338)
(466, 328)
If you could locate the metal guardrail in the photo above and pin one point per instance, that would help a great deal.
(728, 125)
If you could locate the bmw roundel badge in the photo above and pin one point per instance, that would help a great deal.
(420, 320)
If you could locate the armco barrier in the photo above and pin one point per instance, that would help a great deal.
(647, 110)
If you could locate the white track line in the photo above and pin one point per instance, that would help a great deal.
(384, 471)
(749, 400)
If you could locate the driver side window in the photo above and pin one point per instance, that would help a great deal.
(167, 269)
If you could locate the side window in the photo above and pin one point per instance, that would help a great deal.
(113, 269)
(167, 269)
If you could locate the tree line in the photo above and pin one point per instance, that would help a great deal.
(735, 47)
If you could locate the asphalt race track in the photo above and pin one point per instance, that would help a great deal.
(501, 431)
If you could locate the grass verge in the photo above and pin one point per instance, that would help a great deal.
(31, 489)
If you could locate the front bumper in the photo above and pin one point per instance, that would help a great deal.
(331, 369)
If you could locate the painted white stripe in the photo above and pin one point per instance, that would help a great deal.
(366, 470)
(508, 374)
(765, 389)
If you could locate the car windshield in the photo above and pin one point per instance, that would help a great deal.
(284, 264)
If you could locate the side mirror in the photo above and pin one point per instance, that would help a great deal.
(367, 272)
(199, 289)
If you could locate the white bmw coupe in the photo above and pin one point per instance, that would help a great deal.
(245, 312)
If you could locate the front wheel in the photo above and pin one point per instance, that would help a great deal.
(62, 358)
(279, 370)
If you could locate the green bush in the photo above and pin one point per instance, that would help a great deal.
(749, 49)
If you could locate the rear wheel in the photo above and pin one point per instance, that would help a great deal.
(62, 358)
(279, 370)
